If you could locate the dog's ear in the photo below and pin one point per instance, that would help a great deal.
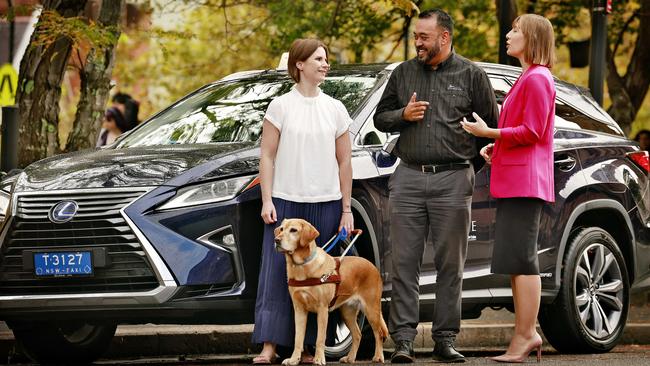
(308, 234)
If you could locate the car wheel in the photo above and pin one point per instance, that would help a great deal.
(77, 342)
(590, 310)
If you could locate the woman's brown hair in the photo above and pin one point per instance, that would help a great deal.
(300, 50)
(540, 39)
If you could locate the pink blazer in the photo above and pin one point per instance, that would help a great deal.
(522, 159)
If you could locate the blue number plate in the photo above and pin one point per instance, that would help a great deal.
(63, 264)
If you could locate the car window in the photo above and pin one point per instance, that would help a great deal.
(573, 110)
(233, 111)
(569, 117)
(371, 136)
(501, 88)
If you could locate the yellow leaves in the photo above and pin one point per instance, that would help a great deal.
(52, 26)
(407, 6)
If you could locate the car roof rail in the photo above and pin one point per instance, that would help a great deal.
(284, 62)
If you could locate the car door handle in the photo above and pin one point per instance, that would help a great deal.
(566, 164)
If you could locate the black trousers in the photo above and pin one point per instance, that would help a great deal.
(422, 204)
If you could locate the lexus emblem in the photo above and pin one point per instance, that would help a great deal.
(63, 211)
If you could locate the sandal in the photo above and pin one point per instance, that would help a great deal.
(264, 360)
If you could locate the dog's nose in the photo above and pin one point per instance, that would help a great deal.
(277, 241)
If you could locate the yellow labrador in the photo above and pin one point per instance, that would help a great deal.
(359, 288)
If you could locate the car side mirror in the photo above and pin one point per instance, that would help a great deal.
(385, 157)
(390, 143)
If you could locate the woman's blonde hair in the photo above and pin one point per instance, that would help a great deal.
(540, 39)
(300, 50)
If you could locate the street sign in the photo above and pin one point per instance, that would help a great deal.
(8, 85)
(608, 7)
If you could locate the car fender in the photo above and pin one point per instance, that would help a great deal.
(371, 230)
(579, 210)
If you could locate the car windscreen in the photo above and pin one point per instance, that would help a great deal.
(233, 111)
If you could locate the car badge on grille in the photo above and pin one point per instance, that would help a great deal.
(63, 211)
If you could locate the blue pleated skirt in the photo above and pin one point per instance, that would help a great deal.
(274, 321)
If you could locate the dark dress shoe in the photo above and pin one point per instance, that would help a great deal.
(403, 352)
(444, 351)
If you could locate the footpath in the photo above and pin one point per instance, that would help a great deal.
(491, 331)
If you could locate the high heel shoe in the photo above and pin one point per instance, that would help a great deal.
(521, 358)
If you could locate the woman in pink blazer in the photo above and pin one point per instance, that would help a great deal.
(522, 174)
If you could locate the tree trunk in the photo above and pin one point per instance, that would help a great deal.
(628, 92)
(39, 91)
(637, 78)
(95, 84)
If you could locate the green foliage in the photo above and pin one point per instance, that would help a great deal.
(52, 26)
(475, 27)
(29, 86)
(356, 25)
(214, 38)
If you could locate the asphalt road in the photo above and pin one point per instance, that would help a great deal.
(629, 355)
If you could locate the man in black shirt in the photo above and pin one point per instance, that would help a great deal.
(425, 100)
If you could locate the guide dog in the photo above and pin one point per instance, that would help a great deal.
(317, 284)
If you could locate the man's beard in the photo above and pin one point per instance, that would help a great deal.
(429, 55)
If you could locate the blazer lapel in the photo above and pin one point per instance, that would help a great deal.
(512, 96)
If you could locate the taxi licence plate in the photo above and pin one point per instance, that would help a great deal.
(63, 264)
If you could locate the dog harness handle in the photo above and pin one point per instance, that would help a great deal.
(343, 237)
(332, 277)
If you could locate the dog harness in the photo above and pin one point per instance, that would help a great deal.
(332, 277)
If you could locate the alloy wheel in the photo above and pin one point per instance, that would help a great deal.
(599, 290)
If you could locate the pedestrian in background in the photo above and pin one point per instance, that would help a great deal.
(305, 172)
(431, 189)
(643, 138)
(113, 126)
(128, 106)
(522, 174)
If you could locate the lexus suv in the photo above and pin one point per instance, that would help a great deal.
(163, 225)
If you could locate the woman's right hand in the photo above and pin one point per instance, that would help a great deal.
(268, 213)
(486, 152)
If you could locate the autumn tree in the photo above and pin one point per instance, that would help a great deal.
(39, 83)
(59, 34)
(96, 74)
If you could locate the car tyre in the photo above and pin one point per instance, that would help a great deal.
(590, 311)
(76, 343)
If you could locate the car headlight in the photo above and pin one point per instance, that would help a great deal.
(216, 191)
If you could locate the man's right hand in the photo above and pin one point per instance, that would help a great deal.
(414, 111)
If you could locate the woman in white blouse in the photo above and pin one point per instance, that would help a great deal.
(305, 172)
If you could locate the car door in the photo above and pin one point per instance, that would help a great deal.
(482, 223)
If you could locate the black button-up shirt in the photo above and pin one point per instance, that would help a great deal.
(454, 89)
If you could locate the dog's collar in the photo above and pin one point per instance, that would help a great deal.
(311, 257)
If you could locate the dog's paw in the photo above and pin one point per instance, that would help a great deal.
(378, 359)
(291, 361)
(319, 360)
(346, 359)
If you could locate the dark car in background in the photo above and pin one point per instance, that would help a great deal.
(164, 225)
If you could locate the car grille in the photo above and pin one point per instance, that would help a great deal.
(97, 224)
